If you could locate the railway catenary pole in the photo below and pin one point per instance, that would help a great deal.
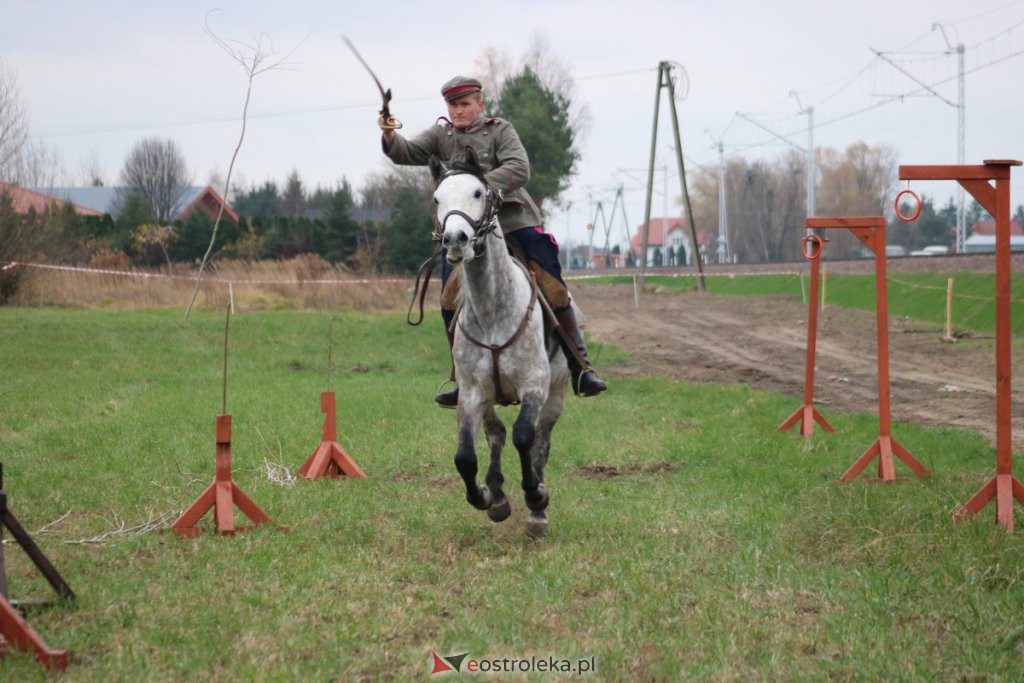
(959, 105)
(723, 218)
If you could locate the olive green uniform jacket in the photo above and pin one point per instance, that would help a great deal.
(498, 150)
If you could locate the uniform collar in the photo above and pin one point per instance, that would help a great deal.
(473, 126)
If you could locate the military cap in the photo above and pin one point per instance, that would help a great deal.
(460, 86)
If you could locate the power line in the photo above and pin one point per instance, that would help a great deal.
(73, 130)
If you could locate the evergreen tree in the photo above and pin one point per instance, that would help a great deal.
(931, 227)
(406, 245)
(340, 237)
(258, 203)
(541, 117)
(293, 199)
(135, 211)
(194, 236)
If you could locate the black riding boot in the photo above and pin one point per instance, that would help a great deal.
(585, 381)
(448, 399)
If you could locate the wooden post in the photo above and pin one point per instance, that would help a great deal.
(977, 180)
(949, 311)
(871, 231)
(807, 414)
(823, 273)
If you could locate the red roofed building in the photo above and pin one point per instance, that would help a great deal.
(989, 228)
(106, 200)
(666, 233)
(27, 200)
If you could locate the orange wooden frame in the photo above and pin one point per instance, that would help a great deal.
(329, 459)
(977, 180)
(222, 495)
(22, 636)
(871, 231)
(807, 414)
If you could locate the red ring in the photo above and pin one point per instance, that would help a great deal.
(815, 253)
(897, 204)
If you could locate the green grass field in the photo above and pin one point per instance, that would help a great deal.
(917, 295)
(688, 538)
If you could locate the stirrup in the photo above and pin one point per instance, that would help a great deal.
(447, 399)
(599, 384)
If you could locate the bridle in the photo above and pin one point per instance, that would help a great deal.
(482, 227)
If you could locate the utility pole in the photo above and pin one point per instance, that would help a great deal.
(568, 237)
(665, 81)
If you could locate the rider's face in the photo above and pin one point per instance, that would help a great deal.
(464, 110)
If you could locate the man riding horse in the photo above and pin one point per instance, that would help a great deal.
(506, 167)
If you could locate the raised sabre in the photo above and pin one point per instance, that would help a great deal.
(387, 121)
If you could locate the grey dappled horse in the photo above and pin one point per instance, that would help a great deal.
(499, 350)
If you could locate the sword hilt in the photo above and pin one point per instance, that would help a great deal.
(388, 122)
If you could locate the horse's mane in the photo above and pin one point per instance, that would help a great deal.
(469, 167)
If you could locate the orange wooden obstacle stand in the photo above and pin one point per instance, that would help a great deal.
(1004, 487)
(807, 414)
(329, 459)
(13, 627)
(871, 231)
(222, 495)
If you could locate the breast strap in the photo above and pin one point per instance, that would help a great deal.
(496, 349)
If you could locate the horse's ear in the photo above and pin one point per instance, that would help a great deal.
(437, 168)
(471, 157)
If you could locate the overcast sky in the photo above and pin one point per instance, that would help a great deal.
(98, 76)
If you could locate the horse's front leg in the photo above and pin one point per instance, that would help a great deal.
(495, 432)
(471, 408)
(524, 433)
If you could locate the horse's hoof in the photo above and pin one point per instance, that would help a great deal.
(486, 499)
(538, 500)
(500, 511)
(537, 525)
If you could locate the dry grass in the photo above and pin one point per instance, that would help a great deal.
(306, 282)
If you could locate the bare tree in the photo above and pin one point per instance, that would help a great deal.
(157, 169)
(38, 165)
(90, 170)
(253, 58)
(13, 126)
(495, 66)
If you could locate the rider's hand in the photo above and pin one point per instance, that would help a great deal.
(386, 128)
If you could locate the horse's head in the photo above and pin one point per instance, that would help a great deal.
(465, 207)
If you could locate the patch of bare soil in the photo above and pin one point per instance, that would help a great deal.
(600, 471)
(761, 342)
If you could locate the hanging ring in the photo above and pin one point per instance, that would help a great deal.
(815, 242)
(900, 213)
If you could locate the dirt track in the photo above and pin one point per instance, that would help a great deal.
(761, 342)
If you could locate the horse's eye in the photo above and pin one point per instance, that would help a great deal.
(477, 194)
(435, 201)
